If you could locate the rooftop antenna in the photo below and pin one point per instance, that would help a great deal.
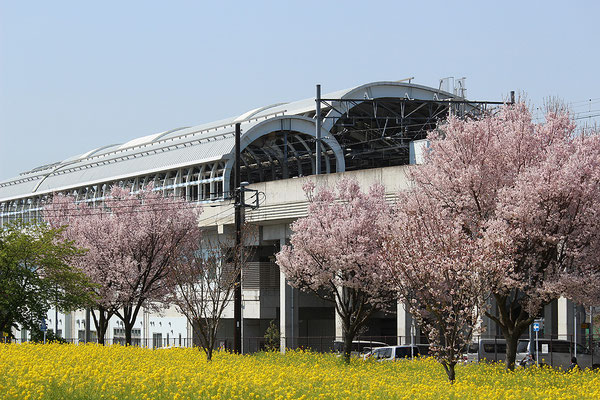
(460, 88)
(445, 84)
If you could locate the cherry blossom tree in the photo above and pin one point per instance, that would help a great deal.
(204, 278)
(133, 239)
(335, 251)
(534, 184)
(440, 272)
(93, 229)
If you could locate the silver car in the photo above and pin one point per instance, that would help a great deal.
(392, 353)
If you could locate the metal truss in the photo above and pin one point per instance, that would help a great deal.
(377, 132)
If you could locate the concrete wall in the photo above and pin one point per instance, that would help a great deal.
(285, 201)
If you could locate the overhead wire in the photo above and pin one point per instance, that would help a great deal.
(92, 210)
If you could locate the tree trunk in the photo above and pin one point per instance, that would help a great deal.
(514, 321)
(128, 328)
(205, 336)
(449, 367)
(511, 350)
(128, 317)
(100, 326)
(212, 336)
(101, 337)
(348, 337)
(101, 323)
(354, 313)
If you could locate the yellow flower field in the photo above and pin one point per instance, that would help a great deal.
(55, 371)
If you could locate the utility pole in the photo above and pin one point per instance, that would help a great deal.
(237, 295)
(56, 315)
(592, 330)
(575, 329)
(318, 133)
(87, 325)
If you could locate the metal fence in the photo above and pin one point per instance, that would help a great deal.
(553, 350)
(322, 344)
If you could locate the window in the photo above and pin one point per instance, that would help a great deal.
(405, 352)
(81, 335)
(384, 353)
(119, 336)
(136, 337)
(156, 340)
(494, 348)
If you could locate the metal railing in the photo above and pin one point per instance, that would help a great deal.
(322, 344)
(552, 350)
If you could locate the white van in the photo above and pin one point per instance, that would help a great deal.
(558, 353)
(486, 350)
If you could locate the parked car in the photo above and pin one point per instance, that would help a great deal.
(557, 353)
(392, 353)
(486, 350)
(359, 347)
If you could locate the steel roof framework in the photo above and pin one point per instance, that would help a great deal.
(278, 142)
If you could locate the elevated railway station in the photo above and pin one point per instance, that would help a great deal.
(371, 132)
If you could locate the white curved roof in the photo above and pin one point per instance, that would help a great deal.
(177, 148)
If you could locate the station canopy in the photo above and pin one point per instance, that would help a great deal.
(367, 126)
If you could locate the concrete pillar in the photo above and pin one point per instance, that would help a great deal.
(189, 340)
(146, 328)
(339, 327)
(68, 326)
(288, 308)
(404, 322)
(565, 314)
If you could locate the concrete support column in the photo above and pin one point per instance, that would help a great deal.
(404, 323)
(189, 331)
(339, 327)
(288, 307)
(565, 314)
(146, 328)
(68, 326)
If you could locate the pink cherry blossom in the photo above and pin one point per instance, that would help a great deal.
(335, 252)
(534, 187)
(132, 240)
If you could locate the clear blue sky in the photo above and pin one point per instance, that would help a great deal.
(75, 75)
